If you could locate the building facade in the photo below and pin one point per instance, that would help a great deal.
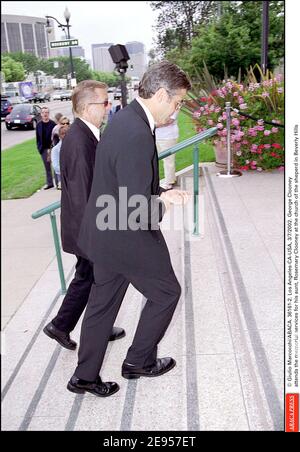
(137, 64)
(101, 57)
(26, 34)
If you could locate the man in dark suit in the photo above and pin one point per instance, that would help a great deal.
(127, 247)
(43, 140)
(77, 160)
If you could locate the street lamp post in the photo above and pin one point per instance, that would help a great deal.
(67, 26)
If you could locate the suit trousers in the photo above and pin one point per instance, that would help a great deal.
(105, 300)
(47, 165)
(76, 297)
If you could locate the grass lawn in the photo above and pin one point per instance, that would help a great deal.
(22, 171)
(184, 158)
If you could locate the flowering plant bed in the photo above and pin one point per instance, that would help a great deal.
(257, 144)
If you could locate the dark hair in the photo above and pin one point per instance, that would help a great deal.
(163, 75)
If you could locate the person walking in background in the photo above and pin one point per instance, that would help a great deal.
(54, 135)
(167, 136)
(43, 139)
(77, 160)
(133, 249)
(55, 152)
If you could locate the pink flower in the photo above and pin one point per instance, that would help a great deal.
(267, 133)
(265, 94)
(238, 153)
(279, 90)
(267, 146)
(235, 122)
(235, 94)
(260, 122)
(245, 142)
(254, 162)
(260, 128)
(220, 126)
(274, 129)
(281, 168)
(243, 106)
(241, 100)
(258, 168)
(210, 122)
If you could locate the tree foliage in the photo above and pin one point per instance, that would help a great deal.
(178, 21)
(233, 42)
(13, 70)
(110, 78)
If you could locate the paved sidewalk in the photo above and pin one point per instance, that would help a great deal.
(226, 334)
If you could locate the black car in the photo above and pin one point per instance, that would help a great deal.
(7, 104)
(41, 97)
(23, 115)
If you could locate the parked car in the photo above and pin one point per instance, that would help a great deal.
(23, 115)
(56, 95)
(41, 97)
(66, 95)
(7, 104)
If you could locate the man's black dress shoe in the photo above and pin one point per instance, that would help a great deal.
(97, 387)
(160, 367)
(60, 336)
(64, 338)
(48, 186)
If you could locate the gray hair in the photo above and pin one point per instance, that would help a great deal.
(85, 93)
(163, 75)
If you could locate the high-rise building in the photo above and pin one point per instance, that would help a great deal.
(137, 64)
(26, 34)
(101, 57)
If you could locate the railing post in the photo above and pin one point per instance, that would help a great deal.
(196, 189)
(58, 253)
(230, 172)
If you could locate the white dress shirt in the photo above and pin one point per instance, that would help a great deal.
(148, 113)
(92, 128)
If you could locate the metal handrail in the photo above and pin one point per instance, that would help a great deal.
(195, 140)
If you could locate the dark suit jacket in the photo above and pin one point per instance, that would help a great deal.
(77, 160)
(126, 157)
(46, 144)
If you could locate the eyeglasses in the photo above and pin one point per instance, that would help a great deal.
(65, 123)
(105, 103)
(179, 104)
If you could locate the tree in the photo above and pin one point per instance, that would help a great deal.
(178, 21)
(81, 68)
(13, 71)
(233, 41)
(110, 78)
(30, 62)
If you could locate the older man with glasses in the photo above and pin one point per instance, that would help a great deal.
(77, 160)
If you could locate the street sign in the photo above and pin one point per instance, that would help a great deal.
(65, 43)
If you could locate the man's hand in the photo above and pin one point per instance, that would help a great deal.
(175, 197)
